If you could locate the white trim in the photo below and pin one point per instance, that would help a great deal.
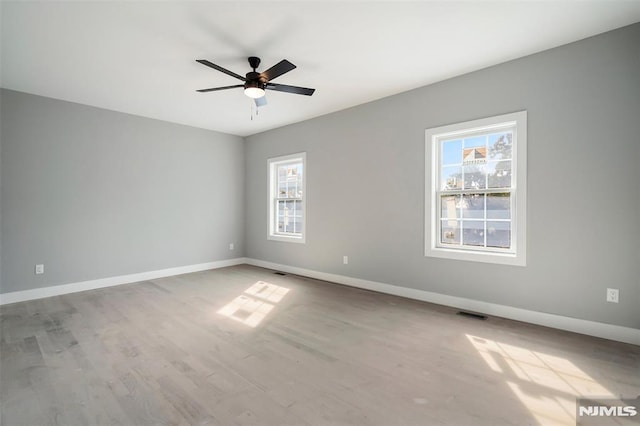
(39, 293)
(590, 328)
(272, 164)
(515, 120)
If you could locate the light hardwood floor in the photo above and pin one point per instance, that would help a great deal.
(242, 345)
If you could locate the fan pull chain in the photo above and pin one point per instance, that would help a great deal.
(257, 110)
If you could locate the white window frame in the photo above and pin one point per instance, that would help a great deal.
(272, 179)
(517, 254)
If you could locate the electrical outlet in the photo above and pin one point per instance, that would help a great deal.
(613, 295)
(231, 246)
(345, 260)
(39, 269)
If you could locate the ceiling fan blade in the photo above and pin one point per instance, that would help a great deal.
(290, 89)
(261, 101)
(277, 70)
(213, 89)
(219, 68)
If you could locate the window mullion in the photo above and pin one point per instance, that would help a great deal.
(477, 191)
(484, 222)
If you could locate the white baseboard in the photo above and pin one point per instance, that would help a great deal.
(39, 293)
(591, 328)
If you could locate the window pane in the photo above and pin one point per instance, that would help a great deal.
(450, 207)
(290, 181)
(475, 142)
(450, 232)
(499, 174)
(452, 152)
(499, 234)
(296, 210)
(295, 216)
(500, 146)
(282, 173)
(285, 216)
(292, 192)
(474, 159)
(474, 155)
(292, 171)
(473, 206)
(451, 178)
(473, 233)
(297, 225)
(475, 176)
(499, 206)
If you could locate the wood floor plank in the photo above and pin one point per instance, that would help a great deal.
(181, 350)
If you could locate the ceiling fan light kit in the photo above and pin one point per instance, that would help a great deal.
(253, 90)
(256, 83)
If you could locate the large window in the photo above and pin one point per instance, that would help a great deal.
(287, 198)
(476, 191)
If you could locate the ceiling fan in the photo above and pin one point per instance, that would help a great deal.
(256, 83)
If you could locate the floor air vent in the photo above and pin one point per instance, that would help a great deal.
(472, 315)
(279, 273)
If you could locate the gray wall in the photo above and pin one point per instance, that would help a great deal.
(366, 169)
(93, 193)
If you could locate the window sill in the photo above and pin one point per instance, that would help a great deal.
(477, 256)
(287, 239)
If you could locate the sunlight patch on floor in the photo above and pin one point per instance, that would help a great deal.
(251, 307)
(547, 385)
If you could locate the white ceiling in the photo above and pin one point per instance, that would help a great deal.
(139, 57)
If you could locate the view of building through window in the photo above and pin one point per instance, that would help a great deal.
(475, 186)
(289, 199)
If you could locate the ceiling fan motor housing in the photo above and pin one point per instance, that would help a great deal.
(255, 80)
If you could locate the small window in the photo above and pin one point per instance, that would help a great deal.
(476, 190)
(287, 198)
